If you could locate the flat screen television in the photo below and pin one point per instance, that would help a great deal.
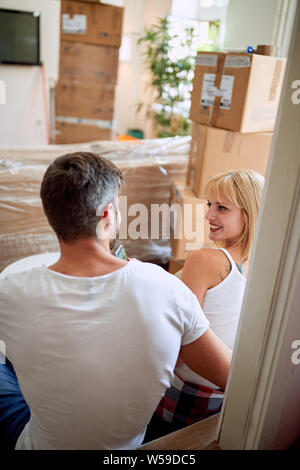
(19, 37)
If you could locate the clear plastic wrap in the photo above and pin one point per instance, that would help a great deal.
(148, 166)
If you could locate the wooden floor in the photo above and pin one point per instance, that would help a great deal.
(198, 436)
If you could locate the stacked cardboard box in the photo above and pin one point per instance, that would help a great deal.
(234, 105)
(190, 229)
(238, 92)
(89, 53)
(216, 150)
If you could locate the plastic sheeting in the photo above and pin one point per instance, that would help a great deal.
(148, 166)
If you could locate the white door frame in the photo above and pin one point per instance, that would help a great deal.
(261, 355)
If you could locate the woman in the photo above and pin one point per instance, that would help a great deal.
(218, 278)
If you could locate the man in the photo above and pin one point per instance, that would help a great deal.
(94, 339)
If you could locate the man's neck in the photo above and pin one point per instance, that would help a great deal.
(86, 258)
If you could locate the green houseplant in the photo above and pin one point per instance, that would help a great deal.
(171, 77)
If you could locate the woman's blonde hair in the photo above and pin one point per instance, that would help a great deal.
(243, 189)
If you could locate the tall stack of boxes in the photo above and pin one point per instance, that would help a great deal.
(91, 35)
(234, 105)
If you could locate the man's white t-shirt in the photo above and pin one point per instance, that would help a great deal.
(94, 355)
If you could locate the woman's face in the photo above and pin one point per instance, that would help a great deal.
(226, 221)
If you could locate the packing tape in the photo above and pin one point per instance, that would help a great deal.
(87, 122)
(215, 108)
(206, 60)
(237, 62)
(228, 141)
(275, 80)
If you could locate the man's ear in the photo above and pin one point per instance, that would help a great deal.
(106, 220)
(107, 214)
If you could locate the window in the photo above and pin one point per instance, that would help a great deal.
(205, 35)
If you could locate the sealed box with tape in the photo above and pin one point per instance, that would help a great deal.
(237, 91)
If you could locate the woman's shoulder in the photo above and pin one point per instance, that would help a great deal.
(203, 263)
(203, 255)
(199, 272)
(210, 264)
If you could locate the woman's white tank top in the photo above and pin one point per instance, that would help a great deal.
(222, 306)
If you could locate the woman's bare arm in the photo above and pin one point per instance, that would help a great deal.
(198, 272)
(209, 357)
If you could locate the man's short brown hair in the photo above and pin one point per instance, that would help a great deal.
(74, 186)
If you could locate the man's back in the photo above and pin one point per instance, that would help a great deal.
(94, 355)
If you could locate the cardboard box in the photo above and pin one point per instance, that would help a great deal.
(208, 73)
(82, 99)
(237, 91)
(91, 23)
(216, 150)
(191, 231)
(87, 63)
(72, 133)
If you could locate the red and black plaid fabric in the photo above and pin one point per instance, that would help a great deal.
(186, 403)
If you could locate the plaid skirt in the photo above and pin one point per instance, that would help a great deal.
(186, 403)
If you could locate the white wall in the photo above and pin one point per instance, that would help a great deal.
(249, 23)
(23, 119)
(127, 93)
(132, 78)
(50, 29)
